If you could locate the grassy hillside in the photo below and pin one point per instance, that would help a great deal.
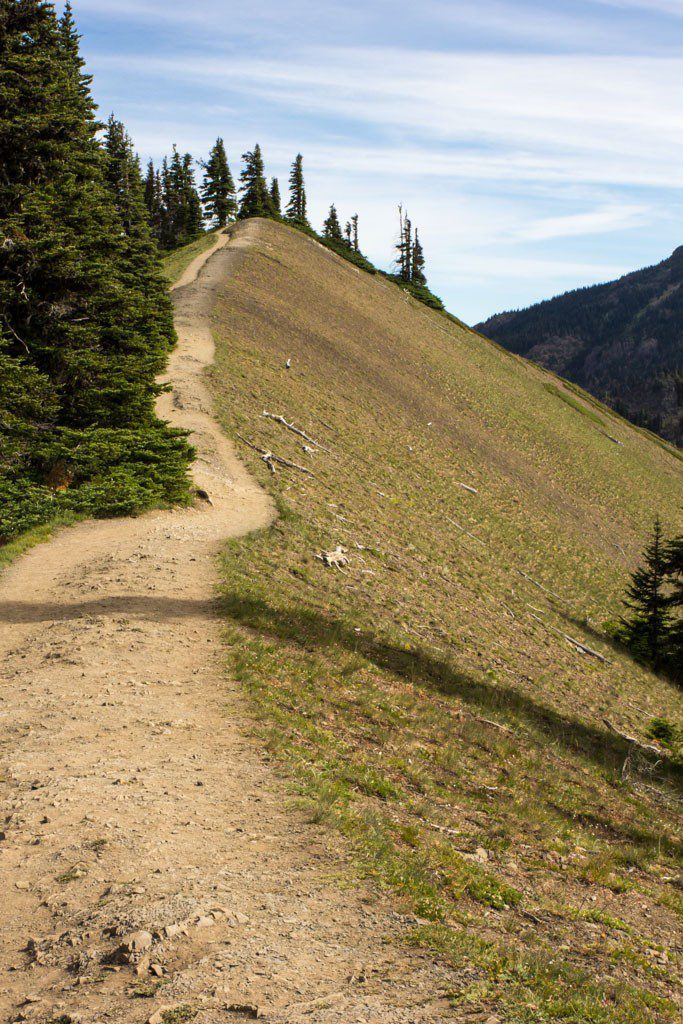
(424, 699)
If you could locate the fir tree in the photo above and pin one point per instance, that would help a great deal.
(85, 327)
(332, 228)
(218, 188)
(646, 630)
(182, 219)
(348, 234)
(404, 246)
(296, 208)
(417, 272)
(275, 201)
(154, 200)
(255, 199)
(354, 226)
(122, 172)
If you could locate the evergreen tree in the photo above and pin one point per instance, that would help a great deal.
(332, 228)
(255, 199)
(348, 234)
(404, 247)
(296, 208)
(417, 272)
(154, 200)
(354, 226)
(85, 328)
(646, 630)
(122, 173)
(218, 188)
(182, 219)
(275, 201)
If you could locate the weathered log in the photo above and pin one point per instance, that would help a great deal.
(295, 430)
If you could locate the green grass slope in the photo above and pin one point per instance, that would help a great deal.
(424, 699)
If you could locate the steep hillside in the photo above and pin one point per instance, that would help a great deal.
(425, 697)
(621, 341)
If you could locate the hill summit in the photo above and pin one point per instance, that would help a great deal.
(622, 341)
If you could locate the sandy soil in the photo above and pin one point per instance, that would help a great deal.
(134, 798)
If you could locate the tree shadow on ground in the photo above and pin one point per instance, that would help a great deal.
(312, 630)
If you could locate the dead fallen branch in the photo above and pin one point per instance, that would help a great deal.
(541, 587)
(494, 725)
(295, 430)
(610, 438)
(270, 458)
(648, 748)
(463, 530)
(466, 487)
(582, 648)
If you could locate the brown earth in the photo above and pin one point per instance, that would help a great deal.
(134, 798)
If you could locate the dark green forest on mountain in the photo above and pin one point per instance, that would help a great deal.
(622, 341)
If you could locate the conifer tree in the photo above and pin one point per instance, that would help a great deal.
(275, 201)
(154, 200)
(348, 234)
(354, 226)
(122, 173)
(404, 246)
(331, 227)
(417, 272)
(255, 199)
(296, 208)
(218, 188)
(182, 219)
(645, 631)
(82, 335)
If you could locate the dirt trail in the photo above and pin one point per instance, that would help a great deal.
(134, 798)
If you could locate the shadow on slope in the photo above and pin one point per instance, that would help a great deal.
(308, 629)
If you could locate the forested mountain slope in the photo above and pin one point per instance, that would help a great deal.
(622, 341)
(443, 695)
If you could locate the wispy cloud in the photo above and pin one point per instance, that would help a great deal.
(537, 145)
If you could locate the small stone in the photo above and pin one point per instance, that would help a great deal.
(171, 930)
(248, 1009)
(157, 970)
(142, 967)
(205, 922)
(132, 946)
(481, 855)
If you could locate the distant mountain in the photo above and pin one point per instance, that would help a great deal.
(622, 341)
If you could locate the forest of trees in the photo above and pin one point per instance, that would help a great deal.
(86, 324)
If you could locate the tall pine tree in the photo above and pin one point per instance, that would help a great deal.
(218, 188)
(255, 199)
(275, 200)
(417, 266)
(296, 208)
(645, 631)
(404, 246)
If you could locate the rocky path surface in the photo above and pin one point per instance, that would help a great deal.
(150, 868)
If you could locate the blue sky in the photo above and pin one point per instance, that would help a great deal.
(538, 146)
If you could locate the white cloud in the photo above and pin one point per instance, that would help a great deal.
(613, 217)
(503, 117)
